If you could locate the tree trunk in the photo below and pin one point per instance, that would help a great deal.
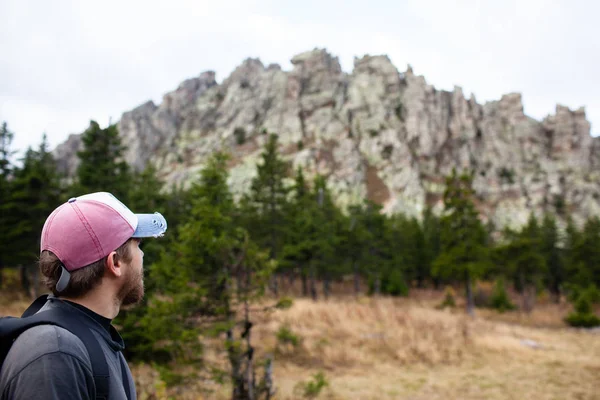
(304, 282)
(274, 284)
(268, 379)
(25, 282)
(377, 285)
(326, 286)
(420, 280)
(528, 298)
(292, 278)
(555, 291)
(313, 284)
(470, 302)
(356, 280)
(237, 379)
(282, 278)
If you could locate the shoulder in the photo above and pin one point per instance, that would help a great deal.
(42, 340)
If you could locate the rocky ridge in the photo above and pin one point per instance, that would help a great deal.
(375, 132)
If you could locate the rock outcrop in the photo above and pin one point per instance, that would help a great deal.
(375, 133)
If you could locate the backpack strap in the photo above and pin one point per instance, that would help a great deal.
(35, 306)
(11, 328)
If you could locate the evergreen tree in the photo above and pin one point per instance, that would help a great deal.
(375, 257)
(464, 254)
(300, 246)
(211, 271)
(329, 225)
(6, 152)
(554, 258)
(525, 261)
(571, 242)
(584, 257)
(35, 192)
(102, 167)
(268, 201)
(146, 193)
(431, 235)
(353, 245)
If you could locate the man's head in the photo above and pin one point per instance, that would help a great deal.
(91, 236)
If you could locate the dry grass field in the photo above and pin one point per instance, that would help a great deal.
(383, 348)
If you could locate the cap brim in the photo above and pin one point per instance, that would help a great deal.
(150, 225)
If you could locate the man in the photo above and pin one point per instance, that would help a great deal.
(91, 261)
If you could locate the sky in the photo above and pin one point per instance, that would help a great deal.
(64, 63)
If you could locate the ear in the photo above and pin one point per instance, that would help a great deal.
(114, 265)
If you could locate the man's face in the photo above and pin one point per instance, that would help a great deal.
(132, 290)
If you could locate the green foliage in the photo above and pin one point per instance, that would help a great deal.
(506, 175)
(35, 190)
(102, 167)
(394, 284)
(583, 253)
(583, 299)
(213, 256)
(559, 204)
(399, 111)
(286, 336)
(464, 253)
(499, 299)
(582, 320)
(449, 298)
(6, 138)
(313, 388)
(550, 248)
(240, 135)
(265, 206)
(284, 303)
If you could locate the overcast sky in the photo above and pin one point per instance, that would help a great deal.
(63, 63)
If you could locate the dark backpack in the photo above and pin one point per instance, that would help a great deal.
(12, 327)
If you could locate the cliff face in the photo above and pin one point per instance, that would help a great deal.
(376, 133)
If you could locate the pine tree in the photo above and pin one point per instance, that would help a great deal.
(6, 138)
(525, 261)
(35, 192)
(299, 248)
(376, 258)
(553, 255)
(102, 167)
(431, 234)
(329, 224)
(585, 254)
(146, 195)
(464, 254)
(205, 282)
(268, 202)
(354, 243)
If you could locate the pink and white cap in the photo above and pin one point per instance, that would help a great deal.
(88, 228)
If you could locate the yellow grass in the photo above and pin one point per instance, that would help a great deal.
(406, 349)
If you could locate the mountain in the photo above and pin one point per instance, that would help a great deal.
(375, 132)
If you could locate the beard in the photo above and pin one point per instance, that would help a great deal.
(132, 291)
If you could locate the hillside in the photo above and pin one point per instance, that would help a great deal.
(375, 132)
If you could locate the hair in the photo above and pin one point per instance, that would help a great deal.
(83, 279)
